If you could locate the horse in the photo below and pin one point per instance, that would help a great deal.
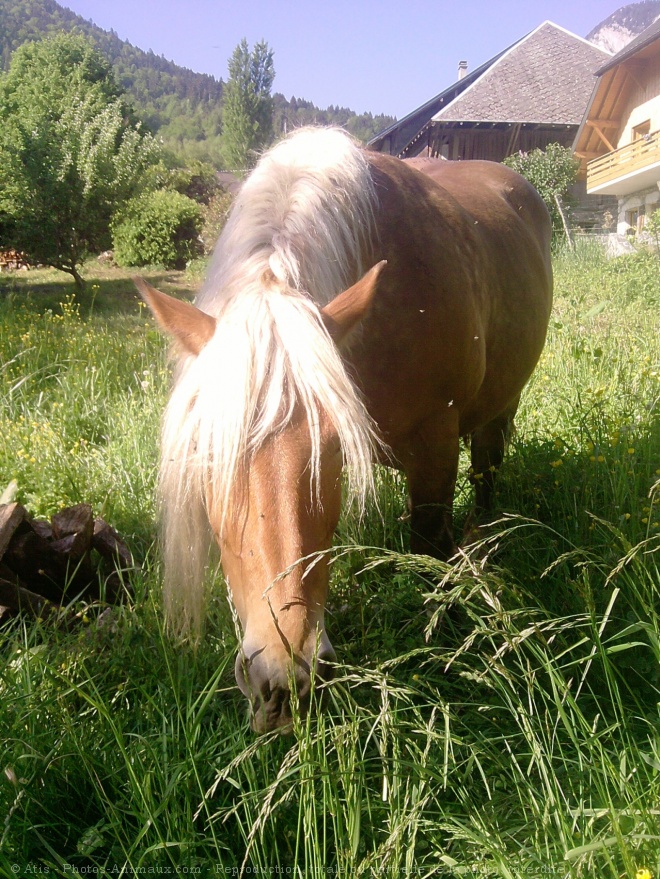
(357, 308)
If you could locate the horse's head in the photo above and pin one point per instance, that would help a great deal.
(273, 550)
(275, 535)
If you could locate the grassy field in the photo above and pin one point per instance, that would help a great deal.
(494, 719)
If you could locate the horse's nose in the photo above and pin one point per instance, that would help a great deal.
(268, 686)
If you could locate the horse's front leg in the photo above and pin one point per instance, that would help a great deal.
(431, 466)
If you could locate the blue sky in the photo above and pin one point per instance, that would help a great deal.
(383, 56)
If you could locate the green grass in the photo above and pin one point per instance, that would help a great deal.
(498, 718)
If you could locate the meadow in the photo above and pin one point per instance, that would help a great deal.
(495, 718)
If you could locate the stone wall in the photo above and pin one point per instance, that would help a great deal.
(592, 213)
(634, 208)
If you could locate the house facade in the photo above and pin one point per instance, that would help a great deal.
(530, 95)
(618, 141)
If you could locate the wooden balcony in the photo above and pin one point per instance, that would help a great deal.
(628, 162)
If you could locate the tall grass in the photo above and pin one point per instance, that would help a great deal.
(499, 717)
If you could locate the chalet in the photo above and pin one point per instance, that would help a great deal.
(530, 95)
(619, 138)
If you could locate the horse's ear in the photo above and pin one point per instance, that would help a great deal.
(188, 325)
(347, 309)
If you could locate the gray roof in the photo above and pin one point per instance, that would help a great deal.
(414, 120)
(545, 78)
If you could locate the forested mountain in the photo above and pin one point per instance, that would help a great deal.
(296, 112)
(183, 107)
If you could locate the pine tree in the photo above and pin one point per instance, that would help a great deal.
(248, 110)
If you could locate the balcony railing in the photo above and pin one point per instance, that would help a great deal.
(634, 157)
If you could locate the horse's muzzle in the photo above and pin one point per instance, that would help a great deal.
(274, 687)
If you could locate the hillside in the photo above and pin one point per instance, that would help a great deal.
(618, 29)
(183, 107)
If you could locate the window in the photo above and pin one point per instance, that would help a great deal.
(641, 131)
(635, 219)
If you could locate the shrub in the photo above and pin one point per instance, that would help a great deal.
(652, 229)
(552, 172)
(157, 228)
(215, 217)
(196, 179)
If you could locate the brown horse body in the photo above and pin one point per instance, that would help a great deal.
(439, 342)
(457, 326)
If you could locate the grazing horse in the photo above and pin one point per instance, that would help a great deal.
(357, 308)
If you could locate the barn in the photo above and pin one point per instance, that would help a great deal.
(529, 95)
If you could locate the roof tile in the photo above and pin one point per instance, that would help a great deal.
(547, 78)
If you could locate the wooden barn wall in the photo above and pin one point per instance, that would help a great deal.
(495, 145)
(401, 137)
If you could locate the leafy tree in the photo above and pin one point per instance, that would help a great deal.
(248, 110)
(70, 151)
(552, 172)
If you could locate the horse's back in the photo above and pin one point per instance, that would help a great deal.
(495, 195)
(518, 292)
(470, 284)
(502, 209)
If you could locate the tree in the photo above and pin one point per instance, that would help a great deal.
(248, 110)
(552, 172)
(70, 151)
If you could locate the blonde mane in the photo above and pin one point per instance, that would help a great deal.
(294, 240)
